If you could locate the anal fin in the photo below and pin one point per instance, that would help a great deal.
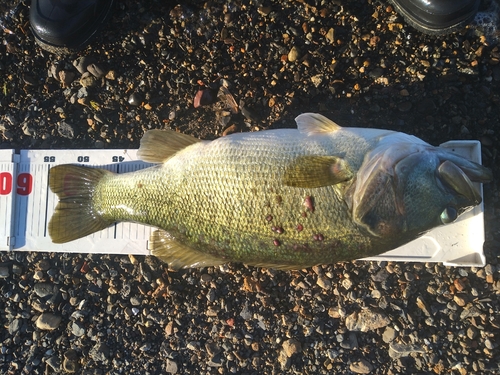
(165, 247)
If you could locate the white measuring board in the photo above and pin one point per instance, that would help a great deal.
(27, 204)
(34, 210)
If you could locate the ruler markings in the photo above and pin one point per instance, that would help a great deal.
(46, 215)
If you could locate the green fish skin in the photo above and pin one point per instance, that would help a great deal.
(288, 198)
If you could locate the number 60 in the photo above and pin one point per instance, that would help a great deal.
(24, 183)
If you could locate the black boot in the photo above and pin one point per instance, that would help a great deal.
(437, 17)
(64, 26)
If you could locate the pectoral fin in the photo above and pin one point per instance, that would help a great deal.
(160, 145)
(317, 171)
(165, 247)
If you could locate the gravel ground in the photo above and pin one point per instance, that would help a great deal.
(356, 62)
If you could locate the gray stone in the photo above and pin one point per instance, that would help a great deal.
(71, 361)
(77, 329)
(351, 342)
(45, 289)
(14, 326)
(4, 272)
(245, 312)
(135, 301)
(96, 70)
(48, 321)
(99, 352)
(87, 80)
(347, 283)
(366, 320)
(361, 367)
(54, 362)
(389, 334)
(470, 311)
(171, 367)
(212, 348)
(66, 130)
(401, 350)
(193, 345)
(81, 64)
(44, 265)
(206, 278)
(324, 282)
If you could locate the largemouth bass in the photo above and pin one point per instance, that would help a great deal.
(287, 198)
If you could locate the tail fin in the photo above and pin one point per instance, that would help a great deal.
(74, 216)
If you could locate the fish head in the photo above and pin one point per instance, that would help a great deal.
(406, 189)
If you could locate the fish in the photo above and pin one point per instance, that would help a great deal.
(284, 198)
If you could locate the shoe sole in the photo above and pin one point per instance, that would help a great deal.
(66, 50)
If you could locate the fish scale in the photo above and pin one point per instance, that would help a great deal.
(242, 197)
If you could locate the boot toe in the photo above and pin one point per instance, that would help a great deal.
(437, 16)
(67, 23)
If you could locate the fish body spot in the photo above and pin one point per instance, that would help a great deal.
(269, 218)
(299, 227)
(276, 242)
(309, 203)
(318, 237)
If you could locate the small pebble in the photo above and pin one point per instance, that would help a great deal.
(361, 366)
(291, 347)
(366, 320)
(4, 272)
(389, 334)
(48, 321)
(135, 99)
(323, 282)
(87, 80)
(77, 329)
(171, 367)
(294, 54)
(71, 361)
(96, 71)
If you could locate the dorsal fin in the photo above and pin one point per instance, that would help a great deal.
(314, 123)
(160, 145)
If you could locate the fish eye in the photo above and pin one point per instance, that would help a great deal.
(448, 215)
